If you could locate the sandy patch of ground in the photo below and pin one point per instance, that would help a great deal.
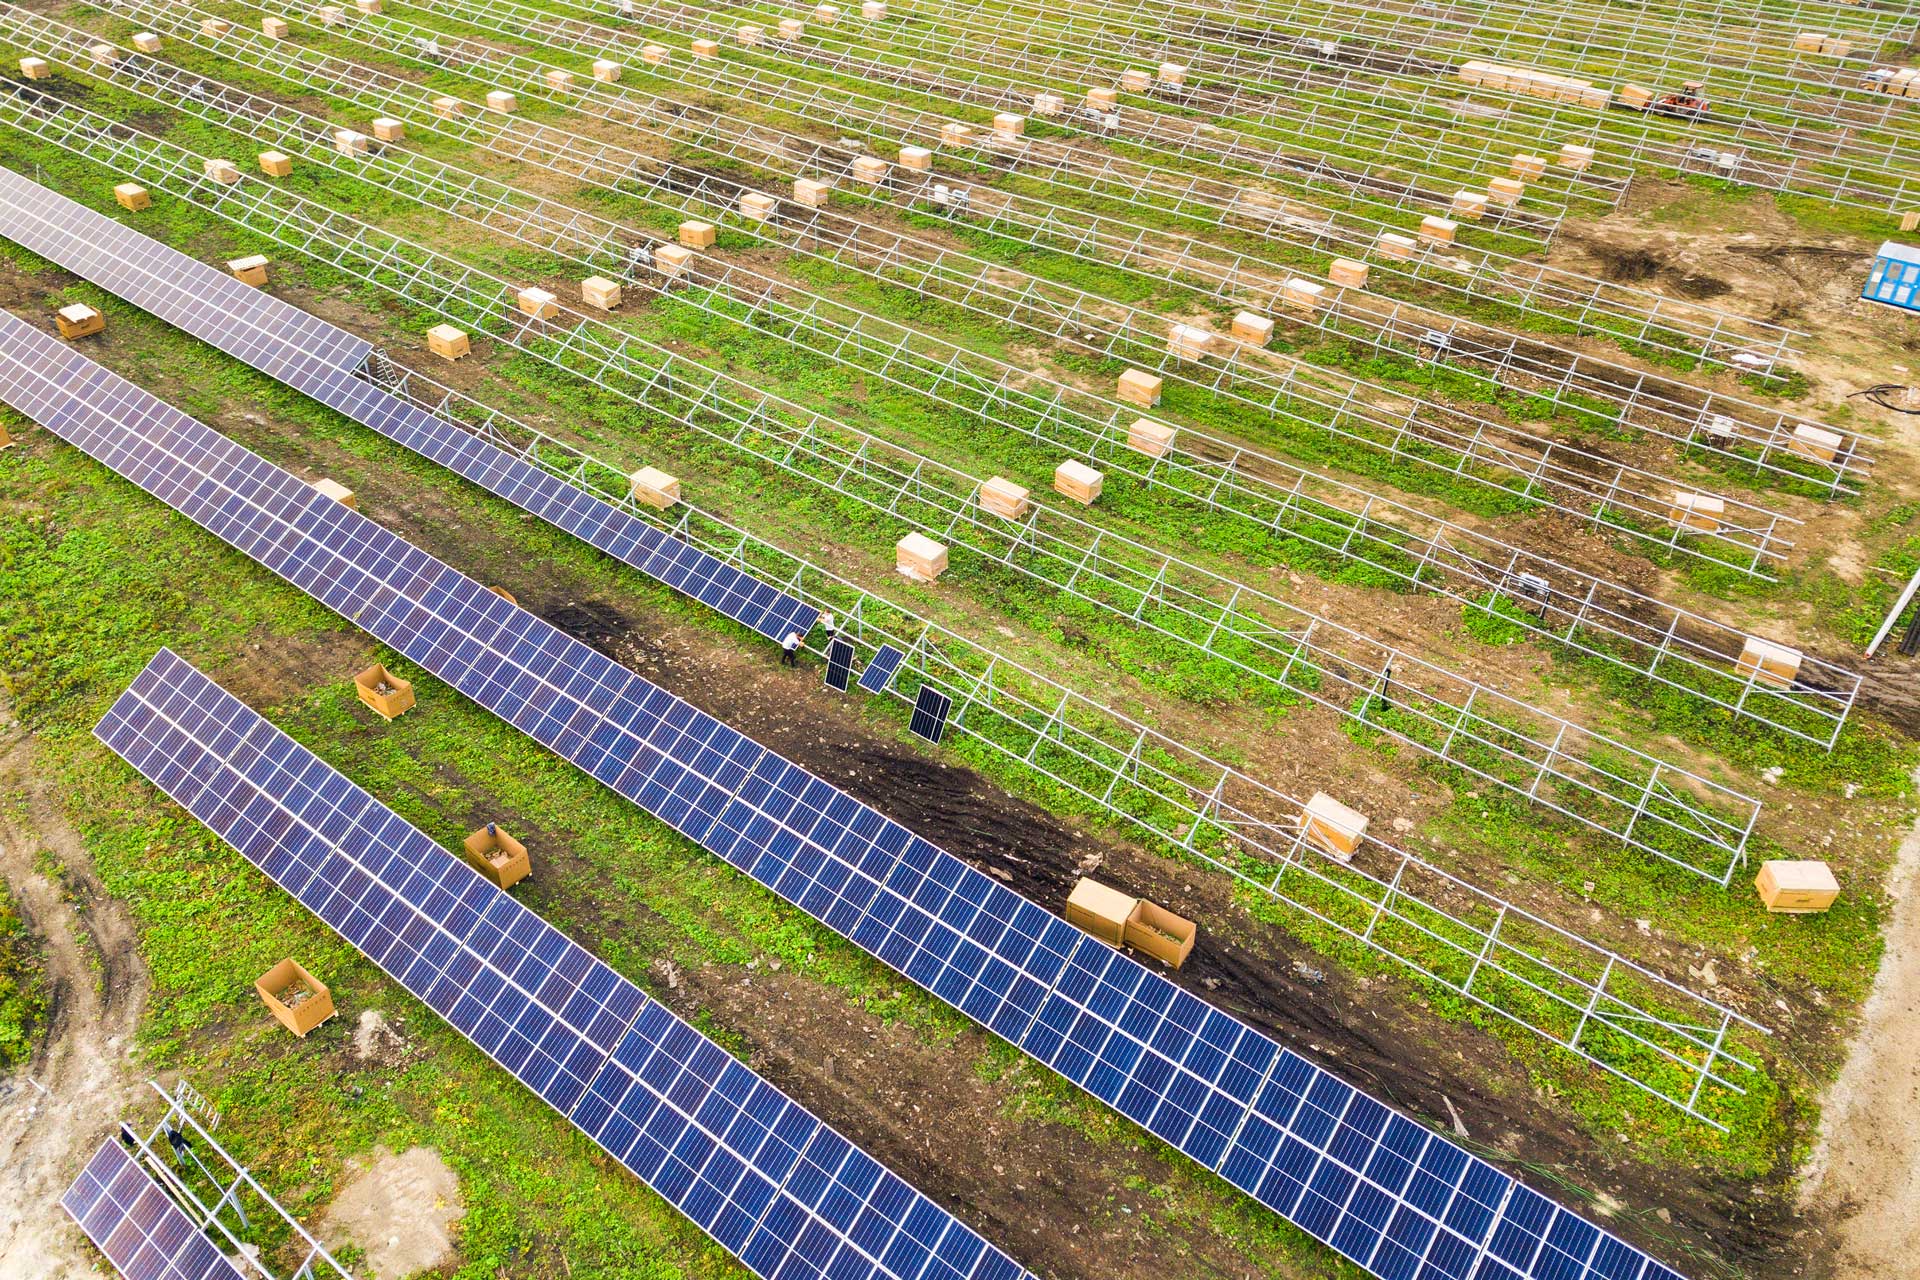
(400, 1209)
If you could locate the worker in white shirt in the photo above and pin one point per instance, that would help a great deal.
(790, 650)
(832, 627)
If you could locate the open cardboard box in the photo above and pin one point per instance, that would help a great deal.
(498, 856)
(385, 692)
(298, 999)
(1161, 934)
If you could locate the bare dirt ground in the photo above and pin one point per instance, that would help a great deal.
(400, 1210)
(79, 1081)
(1866, 1171)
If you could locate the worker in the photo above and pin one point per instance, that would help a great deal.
(827, 622)
(790, 650)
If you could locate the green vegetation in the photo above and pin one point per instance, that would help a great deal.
(23, 996)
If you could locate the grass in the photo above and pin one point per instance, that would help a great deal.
(23, 993)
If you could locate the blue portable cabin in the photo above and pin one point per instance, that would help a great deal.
(1895, 278)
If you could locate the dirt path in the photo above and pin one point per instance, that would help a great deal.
(79, 1080)
(1866, 1170)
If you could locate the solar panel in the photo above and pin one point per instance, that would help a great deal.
(318, 359)
(839, 664)
(886, 661)
(930, 708)
(133, 1221)
(751, 1167)
(1384, 1191)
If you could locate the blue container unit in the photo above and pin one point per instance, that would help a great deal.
(1895, 278)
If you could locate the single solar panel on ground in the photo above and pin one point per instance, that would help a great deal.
(839, 664)
(1391, 1195)
(319, 359)
(137, 1225)
(930, 708)
(886, 661)
(780, 1189)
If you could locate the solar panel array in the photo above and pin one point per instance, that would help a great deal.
(1393, 1196)
(319, 359)
(137, 1225)
(772, 1183)
(886, 661)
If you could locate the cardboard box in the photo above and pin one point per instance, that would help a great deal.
(873, 10)
(756, 206)
(706, 48)
(1347, 273)
(790, 28)
(273, 28)
(653, 54)
(147, 42)
(654, 487)
(132, 196)
(1506, 191)
(295, 997)
(1256, 330)
(826, 13)
(214, 28)
(598, 291)
(1471, 205)
(751, 35)
(1817, 443)
(104, 54)
(349, 142)
(502, 101)
(447, 108)
(670, 260)
(1302, 295)
(275, 165)
(369, 7)
(1809, 41)
(1004, 498)
(251, 269)
(1158, 932)
(1187, 342)
(330, 15)
(607, 71)
(1172, 73)
(1394, 246)
(1136, 80)
(1048, 103)
(1635, 96)
(1333, 827)
(386, 693)
(538, 303)
(1700, 511)
(810, 192)
(225, 172)
(497, 856)
(1575, 157)
(78, 321)
(1438, 230)
(870, 169)
(1100, 910)
(1102, 99)
(1798, 888)
(1527, 167)
(1137, 386)
(1150, 437)
(954, 134)
(1835, 47)
(1008, 125)
(338, 492)
(1078, 481)
(35, 68)
(559, 81)
(448, 342)
(1910, 220)
(696, 235)
(919, 557)
(387, 129)
(1769, 663)
(917, 159)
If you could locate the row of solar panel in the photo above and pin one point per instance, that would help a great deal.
(755, 1170)
(139, 1228)
(320, 359)
(1298, 1139)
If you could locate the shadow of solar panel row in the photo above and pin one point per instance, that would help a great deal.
(772, 1183)
(318, 359)
(1394, 1197)
(136, 1224)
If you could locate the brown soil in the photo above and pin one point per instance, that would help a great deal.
(401, 1211)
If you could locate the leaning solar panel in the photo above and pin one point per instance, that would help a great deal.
(930, 708)
(136, 1224)
(319, 359)
(752, 1168)
(1379, 1188)
(886, 661)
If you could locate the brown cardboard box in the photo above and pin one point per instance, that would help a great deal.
(918, 159)
(1910, 220)
(1347, 273)
(251, 269)
(78, 321)
(299, 1000)
(1437, 230)
(598, 291)
(1136, 80)
(1817, 443)
(955, 134)
(349, 142)
(1008, 125)
(919, 557)
(1809, 41)
(1048, 103)
(1796, 887)
(273, 28)
(1137, 386)
(214, 28)
(35, 68)
(1004, 498)
(790, 28)
(1394, 246)
(1635, 96)
(1254, 330)
(221, 171)
(751, 35)
(1302, 295)
(869, 169)
(385, 692)
(330, 15)
(1471, 205)
(1575, 157)
(671, 260)
(327, 488)
(558, 80)
(756, 206)
(1158, 932)
(1100, 910)
(654, 487)
(1697, 510)
(497, 856)
(387, 129)
(653, 54)
(1506, 191)
(502, 101)
(447, 108)
(1150, 437)
(370, 7)
(1333, 827)
(696, 235)
(1189, 342)
(607, 71)
(705, 48)
(810, 192)
(104, 54)
(1172, 73)
(275, 165)
(538, 303)
(147, 42)
(1103, 99)
(1078, 481)
(1527, 167)
(826, 13)
(448, 342)
(1769, 663)
(873, 10)
(132, 196)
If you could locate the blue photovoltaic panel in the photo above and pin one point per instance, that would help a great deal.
(1391, 1195)
(886, 661)
(839, 664)
(748, 1165)
(930, 708)
(1895, 277)
(136, 1224)
(319, 360)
